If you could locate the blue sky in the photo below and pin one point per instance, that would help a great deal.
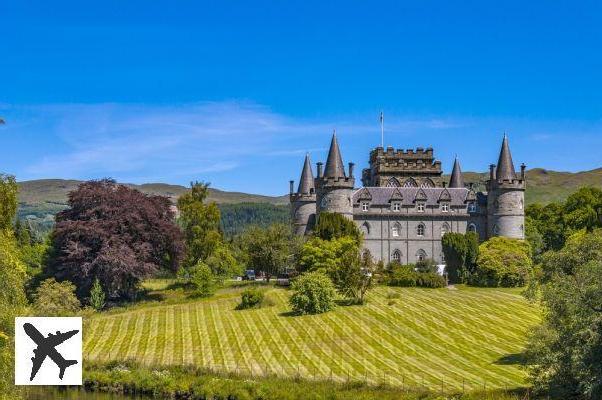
(235, 93)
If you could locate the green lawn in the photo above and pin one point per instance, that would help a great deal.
(427, 337)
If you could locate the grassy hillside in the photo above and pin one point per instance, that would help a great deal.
(426, 337)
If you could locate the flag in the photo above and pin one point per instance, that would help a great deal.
(382, 117)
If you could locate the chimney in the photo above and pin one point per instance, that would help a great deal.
(444, 184)
(292, 184)
(351, 165)
(523, 168)
(492, 172)
(471, 185)
(320, 172)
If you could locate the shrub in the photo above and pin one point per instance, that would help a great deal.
(502, 262)
(202, 279)
(314, 293)
(97, 296)
(251, 298)
(331, 226)
(55, 299)
(407, 276)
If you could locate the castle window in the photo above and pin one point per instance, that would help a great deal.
(365, 228)
(421, 255)
(444, 207)
(410, 183)
(365, 206)
(472, 207)
(520, 204)
(427, 183)
(420, 207)
(496, 230)
(396, 256)
(472, 228)
(420, 229)
(396, 207)
(396, 230)
(393, 183)
(444, 229)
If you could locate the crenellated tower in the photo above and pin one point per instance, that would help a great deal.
(334, 188)
(303, 202)
(506, 197)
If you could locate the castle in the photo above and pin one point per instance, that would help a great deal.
(405, 206)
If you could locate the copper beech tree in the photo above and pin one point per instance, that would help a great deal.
(116, 234)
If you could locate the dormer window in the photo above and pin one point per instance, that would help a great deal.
(444, 207)
(365, 206)
(396, 207)
(420, 207)
(472, 207)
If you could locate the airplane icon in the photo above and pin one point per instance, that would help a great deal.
(46, 348)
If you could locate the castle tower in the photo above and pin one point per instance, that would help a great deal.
(506, 197)
(303, 202)
(334, 189)
(456, 180)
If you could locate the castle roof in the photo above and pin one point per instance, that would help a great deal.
(431, 196)
(456, 180)
(334, 163)
(505, 167)
(306, 183)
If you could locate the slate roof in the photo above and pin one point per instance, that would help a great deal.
(383, 195)
(334, 163)
(456, 180)
(306, 183)
(505, 167)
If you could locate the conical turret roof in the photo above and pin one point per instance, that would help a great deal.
(505, 166)
(334, 163)
(456, 180)
(306, 183)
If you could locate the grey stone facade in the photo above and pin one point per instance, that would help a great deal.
(405, 206)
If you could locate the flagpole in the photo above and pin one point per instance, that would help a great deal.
(382, 130)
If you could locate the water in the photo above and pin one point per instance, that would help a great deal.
(52, 393)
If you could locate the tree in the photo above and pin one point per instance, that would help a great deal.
(502, 262)
(223, 264)
(200, 222)
(548, 221)
(55, 299)
(8, 201)
(97, 296)
(116, 234)
(331, 226)
(535, 239)
(324, 255)
(564, 353)
(583, 210)
(269, 250)
(455, 251)
(12, 304)
(203, 280)
(313, 293)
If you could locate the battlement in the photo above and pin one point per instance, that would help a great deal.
(302, 197)
(419, 152)
(342, 182)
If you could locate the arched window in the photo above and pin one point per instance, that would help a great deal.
(396, 256)
(410, 182)
(444, 229)
(365, 228)
(427, 183)
(396, 230)
(393, 183)
(520, 204)
(420, 229)
(472, 227)
(420, 255)
(496, 230)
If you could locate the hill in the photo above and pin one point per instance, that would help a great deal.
(426, 337)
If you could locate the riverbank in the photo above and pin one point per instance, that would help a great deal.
(194, 383)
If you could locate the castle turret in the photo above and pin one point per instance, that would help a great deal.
(456, 180)
(334, 189)
(506, 197)
(303, 202)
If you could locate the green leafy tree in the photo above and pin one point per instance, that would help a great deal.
(97, 296)
(12, 304)
(455, 250)
(203, 280)
(583, 210)
(535, 239)
(564, 353)
(549, 222)
(200, 222)
(503, 262)
(8, 203)
(269, 250)
(313, 293)
(250, 298)
(56, 299)
(223, 264)
(324, 255)
(334, 226)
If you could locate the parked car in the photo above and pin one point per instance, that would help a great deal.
(284, 278)
(249, 275)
